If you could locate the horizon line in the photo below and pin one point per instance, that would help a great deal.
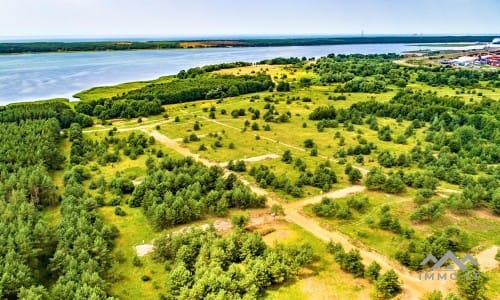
(358, 34)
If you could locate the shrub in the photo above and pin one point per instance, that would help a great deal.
(120, 212)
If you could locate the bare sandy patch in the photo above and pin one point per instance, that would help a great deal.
(486, 259)
(137, 181)
(144, 249)
(485, 214)
(254, 159)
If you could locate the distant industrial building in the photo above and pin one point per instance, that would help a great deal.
(495, 43)
(489, 56)
(494, 46)
(470, 61)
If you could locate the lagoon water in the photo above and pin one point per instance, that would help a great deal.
(26, 77)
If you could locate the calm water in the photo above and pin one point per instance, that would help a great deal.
(41, 76)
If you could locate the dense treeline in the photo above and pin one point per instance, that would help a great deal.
(105, 109)
(205, 87)
(349, 69)
(179, 191)
(282, 61)
(193, 72)
(205, 265)
(149, 99)
(43, 110)
(83, 254)
(371, 73)
(425, 106)
(30, 143)
(446, 76)
(27, 151)
(27, 243)
(362, 86)
(83, 46)
(77, 256)
(361, 40)
(267, 42)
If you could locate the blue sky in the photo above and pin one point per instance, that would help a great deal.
(250, 17)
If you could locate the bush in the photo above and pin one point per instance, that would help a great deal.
(373, 271)
(287, 157)
(240, 221)
(115, 200)
(349, 262)
(355, 176)
(471, 283)
(309, 143)
(136, 261)
(277, 210)
(120, 212)
(375, 179)
(388, 285)
(394, 185)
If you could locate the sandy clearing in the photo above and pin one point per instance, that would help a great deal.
(144, 249)
(486, 259)
(254, 159)
(138, 181)
(486, 214)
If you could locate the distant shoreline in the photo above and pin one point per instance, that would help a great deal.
(124, 45)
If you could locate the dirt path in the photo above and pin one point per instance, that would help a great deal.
(413, 288)
(123, 129)
(450, 191)
(363, 171)
(262, 137)
(254, 159)
(178, 148)
(333, 194)
(486, 259)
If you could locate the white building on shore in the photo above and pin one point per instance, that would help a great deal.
(494, 45)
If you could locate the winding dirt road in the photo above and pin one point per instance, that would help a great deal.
(413, 287)
(131, 128)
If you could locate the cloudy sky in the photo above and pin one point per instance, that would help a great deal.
(245, 17)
